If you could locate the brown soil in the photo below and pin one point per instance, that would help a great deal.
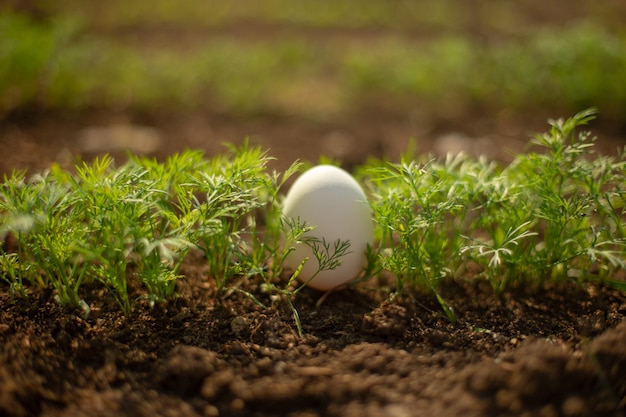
(557, 351)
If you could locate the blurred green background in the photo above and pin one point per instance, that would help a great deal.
(431, 66)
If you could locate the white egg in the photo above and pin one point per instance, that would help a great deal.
(332, 201)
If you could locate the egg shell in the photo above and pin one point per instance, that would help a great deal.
(331, 200)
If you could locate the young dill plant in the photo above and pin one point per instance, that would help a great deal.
(575, 190)
(174, 224)
(133, 231)
(109, 201)
(232, 192)
(552, 215)
(413, 206)
(561, 216)
(47, 229)
(16, 274)
(18, 202)
(13, 222)
(326, 255)
(267, 246)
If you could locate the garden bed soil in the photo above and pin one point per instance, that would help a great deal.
(553, 351)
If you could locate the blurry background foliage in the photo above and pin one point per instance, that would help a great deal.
(259, 58)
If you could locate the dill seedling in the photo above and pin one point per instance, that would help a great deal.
(233, 191)
(548, 216)
(327, 256)
(412, 204)
(553, 214)
(573, 199)
(39, 213)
